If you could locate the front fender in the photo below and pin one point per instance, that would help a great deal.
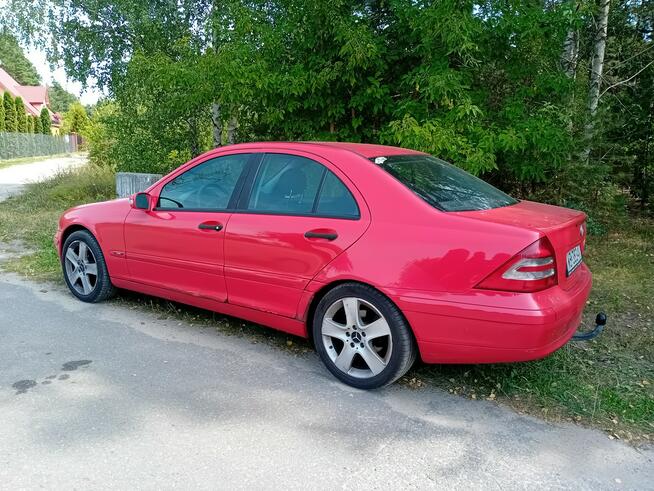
(105, 221)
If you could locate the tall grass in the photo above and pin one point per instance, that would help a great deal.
(31, 217)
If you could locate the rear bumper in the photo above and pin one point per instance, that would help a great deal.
(494, 327)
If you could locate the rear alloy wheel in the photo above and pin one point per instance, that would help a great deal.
(84, 268)
(362, 337)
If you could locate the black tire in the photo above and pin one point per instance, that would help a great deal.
(403, 353)
(103, 289)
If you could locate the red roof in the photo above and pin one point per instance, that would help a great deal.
(31, 94)
(34, 94)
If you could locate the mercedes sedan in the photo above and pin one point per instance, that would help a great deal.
(377, 254)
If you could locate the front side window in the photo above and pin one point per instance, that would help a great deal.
(443, 185)
(207, 186)
(293, 185)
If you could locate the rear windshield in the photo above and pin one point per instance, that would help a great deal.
(443, 185)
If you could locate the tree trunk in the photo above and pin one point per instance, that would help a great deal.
(597, 66)
(644, 167)
(231, 130)
(217, 125)
(571, 54)
(194, 136)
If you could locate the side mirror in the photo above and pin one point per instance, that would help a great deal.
(142, 201)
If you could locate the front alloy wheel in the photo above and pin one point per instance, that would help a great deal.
(84, 267)
(362, 337)
(81, 267)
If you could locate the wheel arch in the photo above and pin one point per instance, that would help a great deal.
(70, 229)
(325, 289)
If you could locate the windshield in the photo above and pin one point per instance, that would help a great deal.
(443, 185)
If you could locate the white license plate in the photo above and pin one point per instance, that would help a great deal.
(573, 260)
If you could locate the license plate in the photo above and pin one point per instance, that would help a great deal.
(573, 260)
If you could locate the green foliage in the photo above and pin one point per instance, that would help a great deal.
(21, 115)
(38, 128)
(10, 112)
(60, 99)
(45, 121)
(99, 137)
(626, 135)
(14, 62)
(479, 84)
(75, 119)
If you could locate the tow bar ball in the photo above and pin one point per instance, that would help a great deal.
(600, 322)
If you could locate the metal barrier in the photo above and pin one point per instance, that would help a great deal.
(128, 183)
(18, 145)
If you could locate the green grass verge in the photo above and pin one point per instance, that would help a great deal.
(606, 383)
(30, 160)
(32, 217)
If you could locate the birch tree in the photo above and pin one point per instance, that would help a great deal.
(597, 67)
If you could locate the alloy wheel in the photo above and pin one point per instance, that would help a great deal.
(81, 267)
(357, 337)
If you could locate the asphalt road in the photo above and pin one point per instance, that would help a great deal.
(105, 396)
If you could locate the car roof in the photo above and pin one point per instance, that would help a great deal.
(366, 150)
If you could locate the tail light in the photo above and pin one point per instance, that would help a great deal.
(531, 270)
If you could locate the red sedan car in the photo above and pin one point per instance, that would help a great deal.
(378, 254)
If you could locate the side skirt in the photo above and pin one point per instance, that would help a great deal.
(285, 324)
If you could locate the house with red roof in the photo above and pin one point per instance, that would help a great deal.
(35, 98)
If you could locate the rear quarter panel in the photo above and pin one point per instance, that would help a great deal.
(412, 247)
(436, 253)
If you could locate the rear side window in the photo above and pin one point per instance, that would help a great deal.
(336, 199)
(286, 184)
(209, 185)
(443, 185)
(294, 185)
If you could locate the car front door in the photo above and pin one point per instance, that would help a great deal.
(295, 215)
(178, 244)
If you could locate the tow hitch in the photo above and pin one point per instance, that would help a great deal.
(600, 322)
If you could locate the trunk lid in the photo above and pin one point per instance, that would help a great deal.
(565, 228)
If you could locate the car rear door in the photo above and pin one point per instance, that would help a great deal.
(295, 215)
(178, 244)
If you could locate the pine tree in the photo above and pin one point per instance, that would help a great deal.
(45, 121)
(21, 115)
(10, 113)
(38, 128)
(30, 124)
